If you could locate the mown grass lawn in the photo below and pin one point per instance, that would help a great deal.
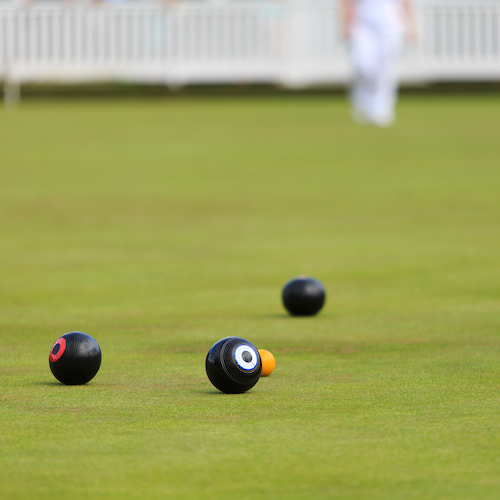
(159, 227)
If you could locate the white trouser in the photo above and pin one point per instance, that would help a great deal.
(375, 48)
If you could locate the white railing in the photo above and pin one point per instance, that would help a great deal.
(185, 43)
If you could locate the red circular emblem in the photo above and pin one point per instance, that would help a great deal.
(57, 349)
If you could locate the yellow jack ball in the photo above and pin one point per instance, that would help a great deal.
(268, 362)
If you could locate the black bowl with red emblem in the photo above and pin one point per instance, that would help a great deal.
(75, 358)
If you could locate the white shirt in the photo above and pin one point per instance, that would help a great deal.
(379, 11)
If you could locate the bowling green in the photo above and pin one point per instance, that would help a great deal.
(160, 225)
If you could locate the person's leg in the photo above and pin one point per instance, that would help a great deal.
(382, 108)
(364, 55)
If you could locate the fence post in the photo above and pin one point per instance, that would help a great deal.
(11, 87)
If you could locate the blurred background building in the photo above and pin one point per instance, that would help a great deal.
(295, 43)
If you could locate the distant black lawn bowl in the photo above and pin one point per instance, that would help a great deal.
(233, 365)
(303, 296)
(75, 358)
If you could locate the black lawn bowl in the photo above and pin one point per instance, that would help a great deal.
(303, 296)
(233, 365)
(75, 358)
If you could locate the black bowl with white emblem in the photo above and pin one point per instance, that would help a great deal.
(233, 365)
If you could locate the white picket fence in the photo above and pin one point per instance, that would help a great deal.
(222, 42)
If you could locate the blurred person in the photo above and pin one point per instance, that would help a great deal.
(376, 30)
